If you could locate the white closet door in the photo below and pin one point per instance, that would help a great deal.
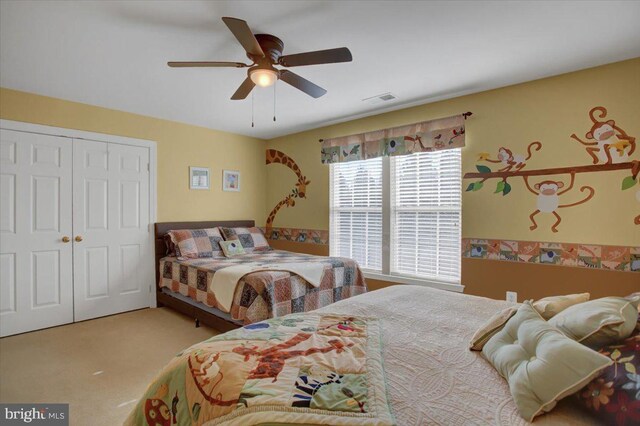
(36, 288)
(112, 270)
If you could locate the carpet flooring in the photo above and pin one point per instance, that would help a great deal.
(100, 367)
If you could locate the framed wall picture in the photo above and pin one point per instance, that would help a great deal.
(230, 180)
(198, 178)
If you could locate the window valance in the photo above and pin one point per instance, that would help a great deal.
(433, 135)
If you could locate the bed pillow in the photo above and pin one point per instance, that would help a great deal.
(614, 397)
(598, 322)
(634, 296)
(491, 327)
(232, 248)
(541, 364)
(553, 305)
(252, 239)
(547, 307)
(197, 243)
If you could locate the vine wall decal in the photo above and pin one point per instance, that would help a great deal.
(299, 190)
(608, 145)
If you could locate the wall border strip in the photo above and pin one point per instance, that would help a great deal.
(309, 236)
(593, 256)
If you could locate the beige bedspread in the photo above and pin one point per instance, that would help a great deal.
(432, 377)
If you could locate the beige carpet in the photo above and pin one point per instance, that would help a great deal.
(100, 367)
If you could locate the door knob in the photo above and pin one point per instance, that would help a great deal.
(79, 238)
(66, 239)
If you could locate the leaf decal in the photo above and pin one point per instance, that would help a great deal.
(507, 189)
(628, 182)
(630, 368)
(475, 186)
(615, 355)
(483, 169)
(500, 187)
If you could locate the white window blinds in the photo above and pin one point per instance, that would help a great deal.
(425, 210)
(356, 212)
(399, 216)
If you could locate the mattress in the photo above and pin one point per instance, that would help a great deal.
(265, 294)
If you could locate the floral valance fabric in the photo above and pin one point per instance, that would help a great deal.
(434, 135)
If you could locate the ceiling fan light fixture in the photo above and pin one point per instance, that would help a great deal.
(264, 77)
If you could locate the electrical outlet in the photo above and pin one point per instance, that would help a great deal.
(512, 296)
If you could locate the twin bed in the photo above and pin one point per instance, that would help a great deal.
(185, 284)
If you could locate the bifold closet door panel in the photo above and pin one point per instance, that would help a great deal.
(36, 283)
(112, 272)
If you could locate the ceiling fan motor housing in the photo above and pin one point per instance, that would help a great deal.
(272, 47)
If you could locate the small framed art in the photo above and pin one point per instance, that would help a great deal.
(198, 178)
(230, 180)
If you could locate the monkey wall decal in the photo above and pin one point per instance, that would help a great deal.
(607, 142)
(509, 160)
(609, 145)
(548, 198)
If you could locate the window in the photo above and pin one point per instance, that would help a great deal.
(356, 212)
(400, 216)
(426, 192)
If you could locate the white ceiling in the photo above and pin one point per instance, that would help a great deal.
(114, 53)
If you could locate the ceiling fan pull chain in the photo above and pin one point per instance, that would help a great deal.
(252, 109)
(274, 100)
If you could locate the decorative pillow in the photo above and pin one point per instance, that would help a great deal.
(553, 305)
(491, 327)
(634, 296)
(250, 238)
(546, 307)
(232, 248)
(195, 243)
(614, 397)
(598, 322)
(540, 363)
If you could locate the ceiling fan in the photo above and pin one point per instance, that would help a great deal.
(265, 50)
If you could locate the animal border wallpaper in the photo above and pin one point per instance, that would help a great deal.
(609, 148)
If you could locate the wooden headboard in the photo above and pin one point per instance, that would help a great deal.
(162, 228)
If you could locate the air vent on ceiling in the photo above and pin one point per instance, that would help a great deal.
(385, 97)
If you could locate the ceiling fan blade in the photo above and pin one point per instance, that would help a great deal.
(243, 33)
(207, 64)
(243, 91)
(301, 84)
(329, 56)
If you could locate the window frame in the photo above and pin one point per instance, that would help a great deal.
(386, 274)
(333, 241)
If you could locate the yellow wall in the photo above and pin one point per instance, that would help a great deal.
(179, 146)
(547, 110)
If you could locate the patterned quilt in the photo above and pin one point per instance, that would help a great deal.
(265, 294)
(303, 369)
